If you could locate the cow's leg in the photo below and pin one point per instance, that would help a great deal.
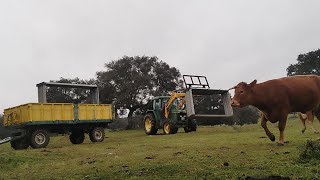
(264, 125)
(282, 126)
(318, 116)
(310, 117)
(303, 118)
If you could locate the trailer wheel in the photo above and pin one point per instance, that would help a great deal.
(19, 144)
(76, 137)
(39, 138)
(169, 128)
(96, 134)
(150, 124)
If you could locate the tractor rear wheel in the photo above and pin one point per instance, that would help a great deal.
(76, 137)
(169, 128)
(150, 124)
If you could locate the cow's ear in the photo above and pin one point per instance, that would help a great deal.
(253, 83)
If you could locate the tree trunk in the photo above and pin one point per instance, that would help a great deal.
(131, 124)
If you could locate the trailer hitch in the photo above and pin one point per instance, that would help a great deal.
(5, 140)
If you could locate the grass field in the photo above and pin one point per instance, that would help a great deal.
(218, 152)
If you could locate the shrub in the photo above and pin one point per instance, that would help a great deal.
(311, 151)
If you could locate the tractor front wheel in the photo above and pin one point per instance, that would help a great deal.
(169, 128)
(150, 124)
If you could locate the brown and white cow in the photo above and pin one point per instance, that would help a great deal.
(309, 117)
(278, 97)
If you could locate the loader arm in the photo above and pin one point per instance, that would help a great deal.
(173, 97)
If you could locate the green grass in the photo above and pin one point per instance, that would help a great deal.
(218, 152)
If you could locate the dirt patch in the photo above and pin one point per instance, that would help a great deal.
(87, 161)
(177, 153)
(266, 178)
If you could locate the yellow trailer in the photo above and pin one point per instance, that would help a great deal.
(32, 124)
(52, 113)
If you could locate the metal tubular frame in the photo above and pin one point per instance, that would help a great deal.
(197, 87)
(193, 84)
(42, 90)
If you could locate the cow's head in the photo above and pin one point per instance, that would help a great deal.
(242, 94)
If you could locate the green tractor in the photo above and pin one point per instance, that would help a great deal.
(178, 110)
(168, 113)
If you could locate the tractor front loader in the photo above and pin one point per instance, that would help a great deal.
(181, 109)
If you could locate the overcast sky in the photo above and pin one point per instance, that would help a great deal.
(228, 40)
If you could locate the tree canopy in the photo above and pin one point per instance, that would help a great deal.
(308, 63)
(132, 81)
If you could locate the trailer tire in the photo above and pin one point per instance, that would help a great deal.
(150, 124)
(97, 134)
(76, 137)
(39, 139)
(19, 144)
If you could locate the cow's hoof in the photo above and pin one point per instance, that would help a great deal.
(280, 143)
(303, 130)
(272, 137)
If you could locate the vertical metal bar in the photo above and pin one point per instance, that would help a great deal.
(42, 94)
(95, 96)
(227, 104)
(184, 80)
(76, 112)
(189, 103)
(207, 82)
